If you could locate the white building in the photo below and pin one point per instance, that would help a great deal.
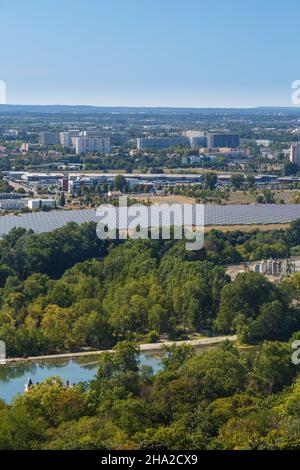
(25, 147)
(295, 153)
(39, 203)
(67, 139)
(264, 142)
(190, 134)
(92, 144)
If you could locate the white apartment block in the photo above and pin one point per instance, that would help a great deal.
(92, 144)
(67, 139)
(295, 153)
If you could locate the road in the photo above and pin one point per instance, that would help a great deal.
(148, 347)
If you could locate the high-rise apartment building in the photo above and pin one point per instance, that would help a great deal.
(67, 138)
(92, 144)
(197, 142)
(215, 140)
(49, 138)
(157, 143)
(295, 153)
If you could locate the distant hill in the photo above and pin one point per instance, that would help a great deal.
(76, 109)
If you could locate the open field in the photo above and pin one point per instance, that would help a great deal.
(241, 197)
(170, 199)
(246, 228)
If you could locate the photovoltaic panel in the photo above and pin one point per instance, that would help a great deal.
(259, 214)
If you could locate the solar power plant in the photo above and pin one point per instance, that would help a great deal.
(41, 222)
(251, 214)
(213, 215)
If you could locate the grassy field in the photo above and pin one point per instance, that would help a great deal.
(246, 228)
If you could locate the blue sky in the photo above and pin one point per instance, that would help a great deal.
(150, 52)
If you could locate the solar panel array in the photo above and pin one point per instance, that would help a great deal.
(41, 222)
(251, 214)
(213, 215)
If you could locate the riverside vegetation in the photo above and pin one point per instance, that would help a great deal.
(67, 290)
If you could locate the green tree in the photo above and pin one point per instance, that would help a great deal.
(210, 180)
(237, 180)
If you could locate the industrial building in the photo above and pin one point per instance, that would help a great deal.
(39, 203)
(12, 204)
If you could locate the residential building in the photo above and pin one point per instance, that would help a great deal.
(198, 141)
(92, 144)
(295, 153)
(215, 140)
(67, 139)
(158, 143)
(49, 138)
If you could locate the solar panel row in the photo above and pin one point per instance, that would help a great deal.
(213, 215)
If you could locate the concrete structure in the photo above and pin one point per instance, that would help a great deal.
(158, 143)
(264, 142)
(67, 139)
(92, 144)
(190, 134)
(40, 178)
(216, 140)
(114, 194)
(275, 267)
(39, 203)
(25, 147)
(12, 204)
(49, 138)
(197, 138)
(197, 142)
(194, 159)
(64, 183)
(74, 186)
(295, 153)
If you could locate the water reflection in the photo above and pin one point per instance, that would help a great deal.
(81, 369)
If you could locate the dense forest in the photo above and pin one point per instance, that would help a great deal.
(65, 290)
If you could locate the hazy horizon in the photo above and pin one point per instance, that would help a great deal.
(292, 107)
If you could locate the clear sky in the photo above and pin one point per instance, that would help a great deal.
(198, 53)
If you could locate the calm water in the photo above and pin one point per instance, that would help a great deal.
(13, 378)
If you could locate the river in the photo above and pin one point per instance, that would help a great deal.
(81, 369)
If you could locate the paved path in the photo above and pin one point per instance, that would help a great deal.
(143, 347)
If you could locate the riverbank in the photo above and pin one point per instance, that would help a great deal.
(147, 347)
